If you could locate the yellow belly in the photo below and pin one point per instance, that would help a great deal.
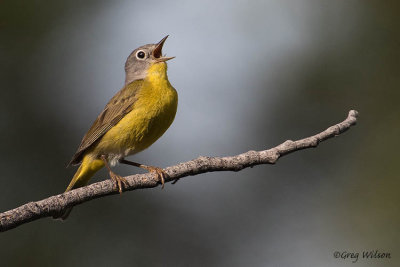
(152, 114)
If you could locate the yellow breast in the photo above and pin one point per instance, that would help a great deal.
(152, 114)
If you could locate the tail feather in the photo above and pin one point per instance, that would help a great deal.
(82, 176)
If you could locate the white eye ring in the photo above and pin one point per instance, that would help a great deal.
(140, 55)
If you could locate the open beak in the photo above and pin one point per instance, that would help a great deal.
(157, 52)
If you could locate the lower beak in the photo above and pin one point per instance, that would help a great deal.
(163, 59)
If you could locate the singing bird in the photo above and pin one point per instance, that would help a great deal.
(131, 121)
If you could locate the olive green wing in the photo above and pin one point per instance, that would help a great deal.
(120, 105)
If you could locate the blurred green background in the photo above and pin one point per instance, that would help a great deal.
(250, 75)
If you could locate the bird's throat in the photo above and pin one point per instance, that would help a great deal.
(157, 72)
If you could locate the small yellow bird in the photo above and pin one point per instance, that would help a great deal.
(131, 121)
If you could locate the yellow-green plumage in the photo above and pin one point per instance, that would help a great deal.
(131, 121)
(152, 112)
(151, 115)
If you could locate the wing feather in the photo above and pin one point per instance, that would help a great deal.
(120, 105)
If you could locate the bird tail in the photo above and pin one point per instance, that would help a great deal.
(82, 176)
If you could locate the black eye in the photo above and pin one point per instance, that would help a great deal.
(140, 54)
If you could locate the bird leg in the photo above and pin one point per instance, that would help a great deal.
(117, 179)
(161, 175)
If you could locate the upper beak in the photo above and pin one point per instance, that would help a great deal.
(157, 52)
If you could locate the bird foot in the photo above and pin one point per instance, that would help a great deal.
(119, 181)
(160, 174)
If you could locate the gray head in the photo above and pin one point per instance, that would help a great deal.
(142, 58)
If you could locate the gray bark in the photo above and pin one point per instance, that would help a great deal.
(53, 205)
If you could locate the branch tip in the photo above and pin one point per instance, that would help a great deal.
(54, 204)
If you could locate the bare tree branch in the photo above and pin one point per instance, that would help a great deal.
(55, 204)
